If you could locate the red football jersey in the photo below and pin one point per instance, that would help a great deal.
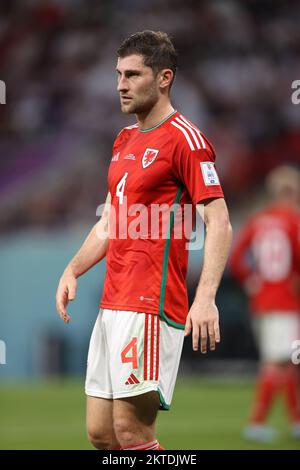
(170, 163)
(269, 248)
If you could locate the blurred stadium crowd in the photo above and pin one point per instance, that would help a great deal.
(237, 61)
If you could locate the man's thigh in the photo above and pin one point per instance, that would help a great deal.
(99, 416)
(137, 413)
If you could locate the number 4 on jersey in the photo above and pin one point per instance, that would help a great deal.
(130, 348)
(121, 188)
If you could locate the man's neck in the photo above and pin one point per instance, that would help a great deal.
(158, 113)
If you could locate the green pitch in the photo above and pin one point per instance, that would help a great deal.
(205, 414)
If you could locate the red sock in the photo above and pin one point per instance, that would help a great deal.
(291, 393)
(150, 445)
(266, 387)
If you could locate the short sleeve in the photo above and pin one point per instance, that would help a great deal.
(195, 168)
(119, 140)
(122, 137)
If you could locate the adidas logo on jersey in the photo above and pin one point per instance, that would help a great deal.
(115, 158)
(132, 380)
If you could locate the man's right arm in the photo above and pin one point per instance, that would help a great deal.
(91, 252)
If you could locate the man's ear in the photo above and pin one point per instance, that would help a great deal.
(165, 78)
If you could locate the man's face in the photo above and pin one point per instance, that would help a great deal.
(137, 85)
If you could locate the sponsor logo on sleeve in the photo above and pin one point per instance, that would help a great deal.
(209, 174)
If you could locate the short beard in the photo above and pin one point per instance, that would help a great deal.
(145, 106)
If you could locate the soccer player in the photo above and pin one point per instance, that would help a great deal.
(266, 260)
(162, 160)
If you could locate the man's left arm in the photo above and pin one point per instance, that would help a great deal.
(203, 317)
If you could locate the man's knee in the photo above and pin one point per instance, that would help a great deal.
(100, 438)
(125, 431)
(130, 431)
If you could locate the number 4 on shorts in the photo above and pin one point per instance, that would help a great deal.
(129, 353)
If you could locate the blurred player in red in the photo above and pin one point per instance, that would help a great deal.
(137, 340)
(266, 260)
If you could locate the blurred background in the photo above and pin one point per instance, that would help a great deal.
(237, 61)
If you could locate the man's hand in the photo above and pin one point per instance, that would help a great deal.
(203, 321)
(66, 292)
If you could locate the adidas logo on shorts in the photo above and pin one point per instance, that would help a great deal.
(132, 380)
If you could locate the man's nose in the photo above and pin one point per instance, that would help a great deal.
(122, 84)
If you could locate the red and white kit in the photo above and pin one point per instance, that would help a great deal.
(171, 163)
(268, 250)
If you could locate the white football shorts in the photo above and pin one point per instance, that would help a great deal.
(133, 353)
(275, 333)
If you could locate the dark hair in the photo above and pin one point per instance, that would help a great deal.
(156, 48)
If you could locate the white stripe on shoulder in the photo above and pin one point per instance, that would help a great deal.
(190, 129)
(185, 134)
(132, 127)
(195, 129)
